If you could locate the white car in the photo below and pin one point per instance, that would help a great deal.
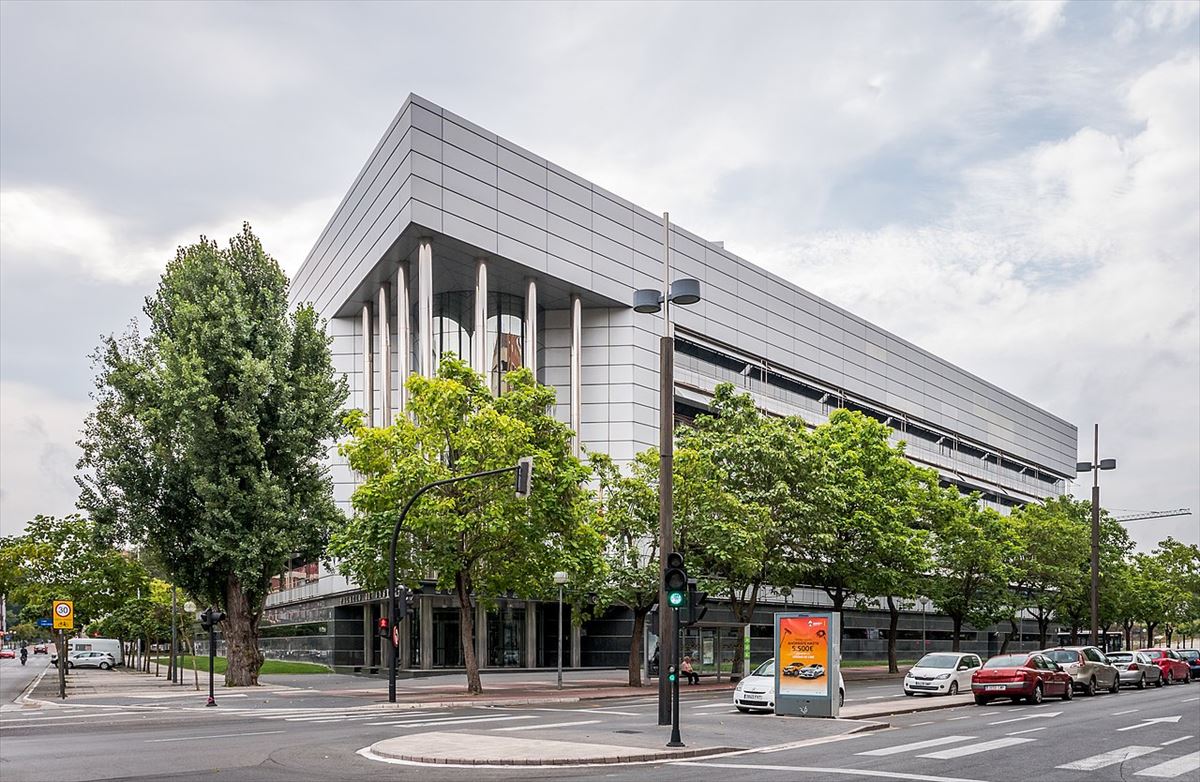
(101, 660)
(756, 692)
(942, 673)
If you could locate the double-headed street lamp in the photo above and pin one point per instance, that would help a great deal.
(1095, 466)
(684, 291)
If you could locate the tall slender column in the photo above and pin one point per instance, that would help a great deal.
(479, 343)
(530, 357)
(403, 337)
(576, 372)
(368, 366)
(425, 361)
(385, 354)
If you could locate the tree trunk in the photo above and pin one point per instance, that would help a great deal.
(1150, 633)
(893, 623)
(1009, 635)
(1170, 632)
(1128, 626)
(635, 647)
(466, 625)
(954, 644)
(240, 631)
(1043, 629)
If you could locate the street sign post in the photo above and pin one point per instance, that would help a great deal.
(807, 660)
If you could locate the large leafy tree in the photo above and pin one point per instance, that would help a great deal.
(63, 559)
(1051, 545)
(1180, 565)
(476, 536)
(971, 548)
(207, 439)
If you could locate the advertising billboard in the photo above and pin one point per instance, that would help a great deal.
(807, 656)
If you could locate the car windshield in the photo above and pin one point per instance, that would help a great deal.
(1154, 655)
(766, 669)
(1190, 654)
(1006, 661)
(1062, 656)
(937, 661)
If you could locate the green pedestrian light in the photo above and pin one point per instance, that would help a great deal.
(675, 599)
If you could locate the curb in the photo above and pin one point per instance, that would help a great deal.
(646, 757)
(913, 709)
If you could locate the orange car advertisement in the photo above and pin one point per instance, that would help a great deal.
(803, 657)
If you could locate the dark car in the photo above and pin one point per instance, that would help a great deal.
(1030, 677)
(39, 649)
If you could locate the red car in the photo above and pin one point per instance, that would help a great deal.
(1030, 677)
(1174, 668)
(7, 654)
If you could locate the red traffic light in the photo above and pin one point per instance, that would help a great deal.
(382, 627)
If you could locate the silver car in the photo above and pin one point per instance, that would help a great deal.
(1136, 669)
(1089, 668)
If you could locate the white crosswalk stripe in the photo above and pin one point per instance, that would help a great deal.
(1173, 768)
(1110, 758)
(971, 749)
(454, 721)
(916, 745)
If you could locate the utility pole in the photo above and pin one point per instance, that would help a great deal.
(666, 457)
(1095, 466)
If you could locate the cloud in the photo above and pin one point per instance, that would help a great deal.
(59, 232)
(38, 432)
(1037, 18)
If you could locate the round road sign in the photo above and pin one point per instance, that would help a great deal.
(62, 609)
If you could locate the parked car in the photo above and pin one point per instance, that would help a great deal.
(1192, 658)
(1174, 668)
(101, 660)
(1136, 669)
(756, 692)
(941, 673)
(7, 654)
(1031, 677)
(40, 649)
(1088, 667)
(813, 671)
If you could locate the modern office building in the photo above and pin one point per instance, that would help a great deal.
(454, 239)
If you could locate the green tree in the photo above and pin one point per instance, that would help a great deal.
(1052, 541)
(64, 559)
(970, 549)
(207, 439)
(476, 536)
(1180, 565)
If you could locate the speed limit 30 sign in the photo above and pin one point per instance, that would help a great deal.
(64, 615)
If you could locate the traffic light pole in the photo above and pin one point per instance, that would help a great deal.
(521, 469)
(675, 741)
(212, 658)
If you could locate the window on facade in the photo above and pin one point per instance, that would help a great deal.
(453, 324)
(506, 337)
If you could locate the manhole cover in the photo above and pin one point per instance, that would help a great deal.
(626, 731)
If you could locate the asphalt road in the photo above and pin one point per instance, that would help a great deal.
(14, 677)
(1101, 739)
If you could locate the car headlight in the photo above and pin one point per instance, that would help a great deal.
(908, 675)
(942, 676)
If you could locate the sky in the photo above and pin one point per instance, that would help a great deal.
(1012, 186)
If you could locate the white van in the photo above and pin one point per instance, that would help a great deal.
(110, 645)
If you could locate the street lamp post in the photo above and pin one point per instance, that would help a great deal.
(560, 578)
(924, 605)
(684, 291)
(1095, 466)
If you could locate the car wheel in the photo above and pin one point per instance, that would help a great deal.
(841, 698)
(1068, 693)
(1158, 682)
(1170, 677)
(1089, 689)
(70, 665)
(909, 694)
(1116, 685)
(104, 666)
(1141, 685)
(743, 709)
(953, 688)
(981, 701)
(1036, 697)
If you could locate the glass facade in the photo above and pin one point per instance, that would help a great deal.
(453, 324)
(506, 337)
(506, 637)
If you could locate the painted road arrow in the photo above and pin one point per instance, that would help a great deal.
(1027, 717)
(1144, 723)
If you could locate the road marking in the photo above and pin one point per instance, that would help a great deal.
(1153, 721)
(1111, 758)
(222, 736)
(713, 706)
(898, 748)
(1027, 730)
(1027, 717)
(1127, 711)
(1172, 768)
(1174, 741)
(1189, 700)
(918, 724)
(454, 721)
(584, 711)
(956, 719)
(853, 772)
(550, 725)
(971, 749)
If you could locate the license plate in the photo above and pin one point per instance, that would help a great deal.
(997, 687)
(753, 698)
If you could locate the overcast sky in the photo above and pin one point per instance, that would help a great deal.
(1015, 187)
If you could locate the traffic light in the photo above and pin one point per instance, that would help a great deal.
(697, 604)
(381, 627)
(211, 618)
(675, 580)
(671, 675)
(524, 476)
